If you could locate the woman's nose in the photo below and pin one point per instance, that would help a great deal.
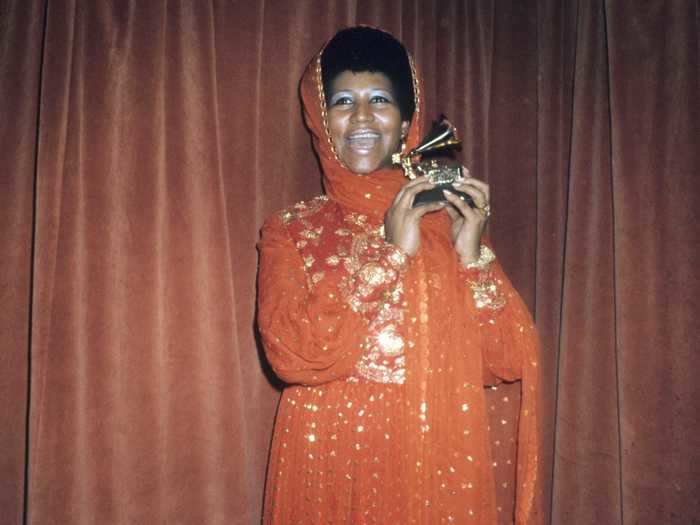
(362, 113)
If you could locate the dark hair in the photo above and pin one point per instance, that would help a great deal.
(360, 49)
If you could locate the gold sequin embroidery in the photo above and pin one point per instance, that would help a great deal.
(486, 293)
(303, 209)
(369, 274)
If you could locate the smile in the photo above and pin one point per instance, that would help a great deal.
(363, 140)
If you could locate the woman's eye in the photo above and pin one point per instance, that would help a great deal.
(380, 99)
(341, 101)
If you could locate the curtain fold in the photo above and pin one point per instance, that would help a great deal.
(654, 65)
(143, 143)
(587, 434)
(21, 28)
(554, 123)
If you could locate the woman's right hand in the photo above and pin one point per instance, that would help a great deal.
(402, 220)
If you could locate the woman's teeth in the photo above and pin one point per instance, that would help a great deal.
(363, 140)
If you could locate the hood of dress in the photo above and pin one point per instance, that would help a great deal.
(370, 193)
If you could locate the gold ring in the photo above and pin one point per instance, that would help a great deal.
(485, 209)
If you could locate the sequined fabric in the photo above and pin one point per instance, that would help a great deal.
(386, 356)
(486, 290)
(366, 273)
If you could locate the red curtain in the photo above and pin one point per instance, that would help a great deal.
(143, 143)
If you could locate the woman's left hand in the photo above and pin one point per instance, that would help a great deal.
(468, 223)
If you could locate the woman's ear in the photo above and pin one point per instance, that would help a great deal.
(404, 128)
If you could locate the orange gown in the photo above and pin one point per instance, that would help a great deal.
(386, 357)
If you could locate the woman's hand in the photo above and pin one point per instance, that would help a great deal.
(402, 220)
(468, 223)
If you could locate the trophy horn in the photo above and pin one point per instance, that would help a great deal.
(442, 136)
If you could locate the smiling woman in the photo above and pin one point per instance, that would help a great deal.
(386, 320)
(365, 120)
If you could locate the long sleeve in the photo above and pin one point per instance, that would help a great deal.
(505, 324)
(511, 351)
(310, 336)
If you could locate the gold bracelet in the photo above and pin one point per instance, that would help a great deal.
(486, 257)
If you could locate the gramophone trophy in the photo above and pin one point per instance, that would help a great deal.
(442, 137)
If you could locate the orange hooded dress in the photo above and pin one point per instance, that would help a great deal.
(386, 357)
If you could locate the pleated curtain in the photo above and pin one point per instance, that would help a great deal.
(142, 144)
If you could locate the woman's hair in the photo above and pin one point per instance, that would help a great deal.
(360, 49)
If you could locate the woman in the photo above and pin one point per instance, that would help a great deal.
(386, 320)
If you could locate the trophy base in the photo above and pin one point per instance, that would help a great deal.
(435, 195)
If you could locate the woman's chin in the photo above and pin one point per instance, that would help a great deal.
(364, 166)
(363, 171)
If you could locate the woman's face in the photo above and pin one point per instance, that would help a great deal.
(364, 120)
